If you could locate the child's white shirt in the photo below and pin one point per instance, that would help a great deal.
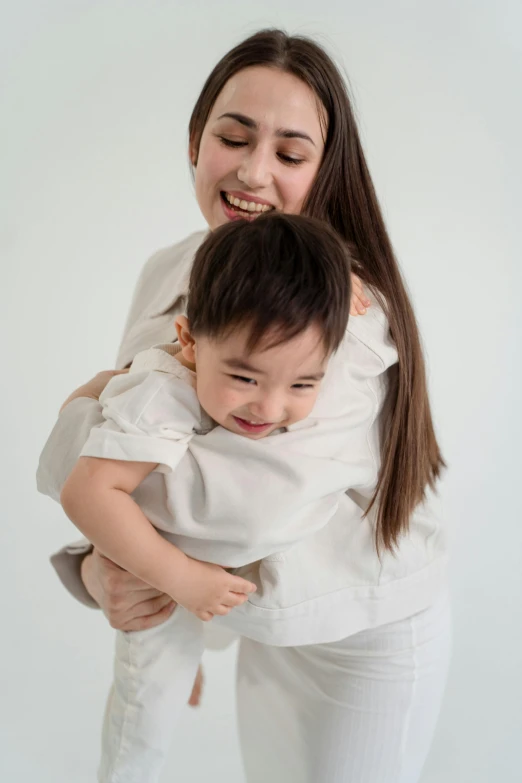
(152, 414)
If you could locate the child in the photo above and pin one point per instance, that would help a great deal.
(268, 304)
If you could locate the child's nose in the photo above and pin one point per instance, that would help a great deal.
(268, 408)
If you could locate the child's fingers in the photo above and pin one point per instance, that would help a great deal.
(359, 301)
(356, 285)
(358, 306)
(205, 616)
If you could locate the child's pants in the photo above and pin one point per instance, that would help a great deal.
(154, 671)
(361, 710)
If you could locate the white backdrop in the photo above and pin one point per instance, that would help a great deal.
(96, 98)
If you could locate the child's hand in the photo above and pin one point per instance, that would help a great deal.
(359, 301)
(206, 589)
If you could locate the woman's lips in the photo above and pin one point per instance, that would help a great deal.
(248, 427)
(232, 213)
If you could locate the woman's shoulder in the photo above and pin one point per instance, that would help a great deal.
(371, 334)
(165, 275)
(174, 257)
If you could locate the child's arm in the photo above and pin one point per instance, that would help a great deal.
(96, 497)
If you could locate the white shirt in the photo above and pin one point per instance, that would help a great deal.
(254, 498)
(319, 582)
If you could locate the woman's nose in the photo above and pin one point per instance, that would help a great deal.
(254, 170)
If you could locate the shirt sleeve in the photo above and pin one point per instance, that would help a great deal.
(148, 417)
(114, 427)
(77, 419)
(64, 444)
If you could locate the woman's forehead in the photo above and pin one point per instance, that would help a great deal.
(270, 97)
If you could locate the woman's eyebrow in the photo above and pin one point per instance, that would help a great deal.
(284, 133)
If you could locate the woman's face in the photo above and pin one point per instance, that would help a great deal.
(261, 147)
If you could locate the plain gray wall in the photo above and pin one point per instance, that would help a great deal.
(96, 98)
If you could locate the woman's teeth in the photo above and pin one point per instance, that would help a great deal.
(247, 206)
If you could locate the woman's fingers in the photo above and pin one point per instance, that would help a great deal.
(130, 613)
(128, 603)
(152, 606)
(150, 620)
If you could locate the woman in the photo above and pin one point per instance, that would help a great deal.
(352, 690)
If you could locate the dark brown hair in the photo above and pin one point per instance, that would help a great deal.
(343, 196)
(278, 275)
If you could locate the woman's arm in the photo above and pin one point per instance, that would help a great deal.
(93, 388)
(96, 497)
(80, 412)
(119, 595)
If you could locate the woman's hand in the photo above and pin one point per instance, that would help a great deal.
(359, 301)
(128, 603)
(94, 387)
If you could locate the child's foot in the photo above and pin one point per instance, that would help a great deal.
(197, 688)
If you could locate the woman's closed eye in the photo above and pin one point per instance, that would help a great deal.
(236, 143)
(289, 159)
(232, 142)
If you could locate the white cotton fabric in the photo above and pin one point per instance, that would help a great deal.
(360, 709)
(236, 501)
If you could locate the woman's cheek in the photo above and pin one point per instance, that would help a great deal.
(216, 162)
(296, 191)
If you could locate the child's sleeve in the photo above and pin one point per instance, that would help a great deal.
(149, 417)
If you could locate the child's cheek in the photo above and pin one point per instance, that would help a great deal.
(307, 406)
(231, 400)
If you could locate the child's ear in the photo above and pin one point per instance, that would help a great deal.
(185, 338)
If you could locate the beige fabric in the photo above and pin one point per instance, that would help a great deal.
(327, 582)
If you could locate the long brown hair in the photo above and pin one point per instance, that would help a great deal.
(343, 196)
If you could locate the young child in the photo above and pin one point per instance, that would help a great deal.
(268, 305)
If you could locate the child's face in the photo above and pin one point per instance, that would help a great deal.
(254, 393)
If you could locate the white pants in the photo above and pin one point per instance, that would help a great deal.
(154, 672)
(362, 710)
